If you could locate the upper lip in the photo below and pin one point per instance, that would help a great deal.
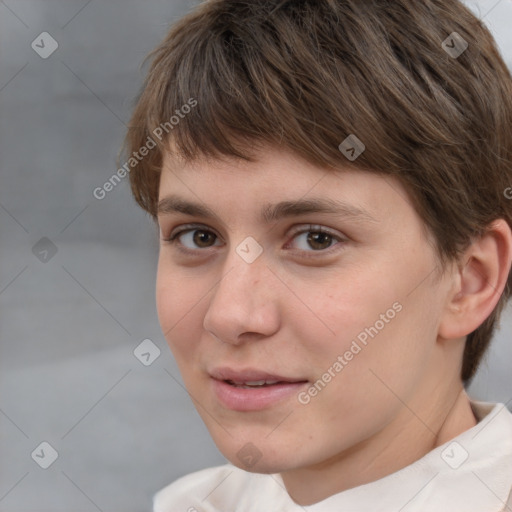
(249, 375)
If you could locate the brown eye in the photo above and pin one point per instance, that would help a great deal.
(315, 239)
(203, 238)
(319, 241)
(195, 238)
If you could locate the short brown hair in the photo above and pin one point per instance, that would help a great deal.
(305, 74)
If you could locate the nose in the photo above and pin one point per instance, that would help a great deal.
(243, 305)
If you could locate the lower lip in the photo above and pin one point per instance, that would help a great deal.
(254, 399)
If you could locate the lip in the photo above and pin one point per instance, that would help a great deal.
(249, 375)
(244, 399)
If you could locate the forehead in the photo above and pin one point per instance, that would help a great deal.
(277, 183)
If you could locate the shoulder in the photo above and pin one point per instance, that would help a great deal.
(210, 490)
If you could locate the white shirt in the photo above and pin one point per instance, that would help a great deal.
(470, 473)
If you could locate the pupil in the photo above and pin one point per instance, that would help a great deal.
(319, 241)
(201, 238)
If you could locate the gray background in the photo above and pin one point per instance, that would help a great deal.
(69, 325)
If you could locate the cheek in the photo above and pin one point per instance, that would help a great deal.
(369, 320)
(179, 306)
(339, 308)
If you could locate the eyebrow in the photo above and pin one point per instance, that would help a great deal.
(270, 212)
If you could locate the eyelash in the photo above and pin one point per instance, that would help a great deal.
(173, 239)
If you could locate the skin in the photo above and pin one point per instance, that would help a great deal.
(287, 313)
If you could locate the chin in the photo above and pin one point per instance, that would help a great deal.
(262, 466)
(259, 456)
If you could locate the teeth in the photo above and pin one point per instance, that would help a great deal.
(260, 382)
(255, 383)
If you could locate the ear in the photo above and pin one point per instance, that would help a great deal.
(481, 278)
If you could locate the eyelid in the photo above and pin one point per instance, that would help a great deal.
(316, 228)
(296, 230)
(183, 228)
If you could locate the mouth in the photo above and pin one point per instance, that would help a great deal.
(253, 384)
(252, 390)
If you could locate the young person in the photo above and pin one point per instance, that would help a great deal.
(330, 180)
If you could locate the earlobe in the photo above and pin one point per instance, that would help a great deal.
(481, 280)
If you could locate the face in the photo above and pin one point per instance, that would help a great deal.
(294, 299)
